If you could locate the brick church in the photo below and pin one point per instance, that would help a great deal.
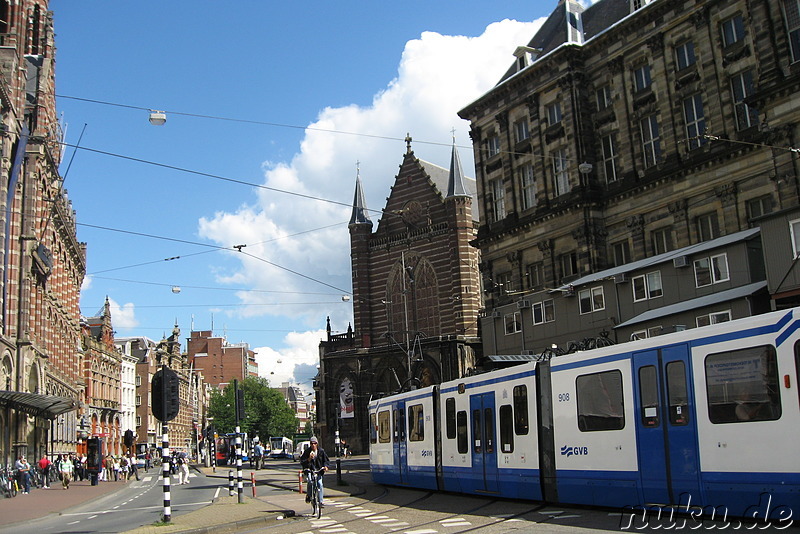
(416, 298)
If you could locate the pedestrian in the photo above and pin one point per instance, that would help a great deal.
(67, 468)
(183, 469)
(133, 469)
(78, 464)
(44, 465)
(24, 473)
(147, 461)
(123, 468)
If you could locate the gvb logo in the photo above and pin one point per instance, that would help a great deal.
(574, 451)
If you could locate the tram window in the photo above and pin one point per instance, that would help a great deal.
(416, 423)
(521, 410)
(450, 417)
(506, 429)
(384, 432)
(648, 396)
(599, 403)
(742, 385)
(373, 428)
(477, 446)
(461, 426)
(488, 424)
(677, 396)
(399, 424)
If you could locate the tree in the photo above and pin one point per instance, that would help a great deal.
(266, 411)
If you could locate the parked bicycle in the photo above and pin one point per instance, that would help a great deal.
(8, 483)
(312, 491)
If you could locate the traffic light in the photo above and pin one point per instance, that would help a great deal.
(94, 454)
(165, 395)
(128, 438)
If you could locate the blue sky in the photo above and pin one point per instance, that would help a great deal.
(157, 205)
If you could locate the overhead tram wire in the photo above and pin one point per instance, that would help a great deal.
(210, 288)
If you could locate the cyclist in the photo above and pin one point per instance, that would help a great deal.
(315, 458)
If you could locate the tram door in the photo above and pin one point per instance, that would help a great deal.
(399, 440)
(666, 426)
(484, 452)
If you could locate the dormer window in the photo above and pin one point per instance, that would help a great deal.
(639, 4)
(525, 56)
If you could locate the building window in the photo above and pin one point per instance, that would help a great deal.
(742, 87)
(791, 10)
(498, 199)
(591, 300)
(599, 401)
(622, 253)
(695, 121)
(651, 143)
(535, 276)
(662, 240)
(138, 380)
(504, 283)
(543, 312)
(713, 318)
(569, 264)
(711, 270)
(513, 323)
(759, 206)
(560, 175)
(794, 230)
(138, 400)
(138, 420)
(684, 55)
(553, 113)
(641, 78)
(492, 145)
(609, 150)
(603, 97)
(647, 286)
(707, 227)
(521, 130)
(732, 30)
(743, 385)
(528, 186)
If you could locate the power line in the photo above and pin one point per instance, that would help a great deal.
(211, 288)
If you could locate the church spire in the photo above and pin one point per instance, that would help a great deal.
(360, 215)
(455, 185)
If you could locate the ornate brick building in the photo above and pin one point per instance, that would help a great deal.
(416, 297)
(42, 262)
(220, 361)
(621, 162)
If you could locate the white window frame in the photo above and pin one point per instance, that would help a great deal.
(791, 14)
(603, 97)
(651, 140)
(492, 146)
(560, 173)
(718, 270)
(138, 380)
(694, 114)
(742, 86)
(514, 321)
(794, 230)
(541, 308)
(609, 152)
(528, 184)
(498, 189)
(713, 318)
(730, 31)
(648, 285)
(554, 114)
(705, 226)
(138, 420)
(684, 55)
(521, 130)
(642, 78)
(593, 299)
(138, 400)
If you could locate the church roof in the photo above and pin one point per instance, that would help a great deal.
(441, 178)
(455, 182)
(360, 215)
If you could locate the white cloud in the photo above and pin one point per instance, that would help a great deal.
(295, 363)
(437, 76)
(86, 284)
(123, 316)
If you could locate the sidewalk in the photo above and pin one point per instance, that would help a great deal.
(277, 498)
(41, 502)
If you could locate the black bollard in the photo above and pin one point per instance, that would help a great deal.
(339, 471)
(231, 490)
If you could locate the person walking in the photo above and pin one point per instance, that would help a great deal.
(67, 468)
(315, 458)
(133, 469)
(24, 473)
(183, 469)
(44, 465)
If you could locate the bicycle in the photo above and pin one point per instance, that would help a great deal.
(8, 483)
(312, 477)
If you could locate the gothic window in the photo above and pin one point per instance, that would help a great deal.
(413, 304)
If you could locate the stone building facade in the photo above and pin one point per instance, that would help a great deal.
(624, 131)
(416, 297)
(42, 262)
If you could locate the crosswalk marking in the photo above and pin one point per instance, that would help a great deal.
(421, 531)
(455, 522)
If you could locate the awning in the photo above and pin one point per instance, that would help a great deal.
(47, 406)
(693, 304)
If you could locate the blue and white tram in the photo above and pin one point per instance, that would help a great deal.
(708, 417)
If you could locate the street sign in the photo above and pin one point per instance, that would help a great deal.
(165, 395)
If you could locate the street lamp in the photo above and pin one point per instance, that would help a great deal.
(157, 118)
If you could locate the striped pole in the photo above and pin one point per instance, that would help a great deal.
(165, 473)
(239, 483)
